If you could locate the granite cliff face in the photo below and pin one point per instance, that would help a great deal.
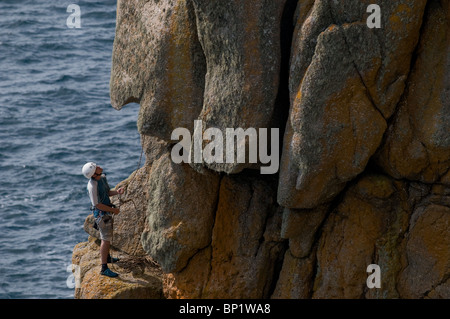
(364, 176)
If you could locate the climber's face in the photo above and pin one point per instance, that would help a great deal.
(98, 173)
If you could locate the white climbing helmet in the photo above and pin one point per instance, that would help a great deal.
(89, 169)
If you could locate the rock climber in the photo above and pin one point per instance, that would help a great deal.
(99, 193)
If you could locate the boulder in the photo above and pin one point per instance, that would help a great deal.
(180, 212)
(241, 43)
(346, 80)
(158, 62)
(417, 146)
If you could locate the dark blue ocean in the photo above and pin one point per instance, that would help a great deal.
(55, 115)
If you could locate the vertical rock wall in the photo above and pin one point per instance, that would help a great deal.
(365, 145)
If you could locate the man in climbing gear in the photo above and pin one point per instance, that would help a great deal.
(99, 193)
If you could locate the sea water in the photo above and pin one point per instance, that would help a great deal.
(55, 115)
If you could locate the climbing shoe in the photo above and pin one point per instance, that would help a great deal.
(112, 260)
(108, 272)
